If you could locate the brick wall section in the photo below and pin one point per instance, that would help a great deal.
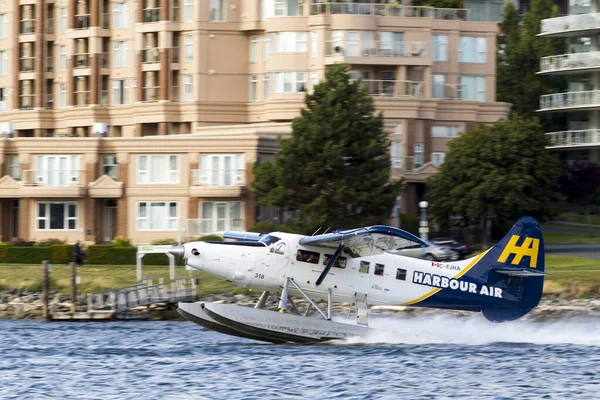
(40, 56)
(122, 202)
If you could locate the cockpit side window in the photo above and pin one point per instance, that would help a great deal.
(269, 239)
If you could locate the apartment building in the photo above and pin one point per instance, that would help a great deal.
(171, 92)
(581, 66)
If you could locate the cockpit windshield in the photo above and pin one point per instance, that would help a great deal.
(269, 239)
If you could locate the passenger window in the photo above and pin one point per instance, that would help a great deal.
(339, 263)
(364, 267)
(379, 269)
(401, 274)
(308, 256)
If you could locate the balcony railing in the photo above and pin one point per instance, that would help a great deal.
(447, 91)
(49, 100)
(391, 88)
(197, 227)
(570, 23)
(50, 26)
(151, 14)
(50, 64)
(574, 138)
(104, 97)
(218, 177)
(391, 10)
(104, 60)
(570, 99)
(82, 60)
(26, 101)
(82, 98)
(27, 26)
(175, 54)
(151, 55)
(376, 49)
(27, 64)
(150, 94)
(51, 178)
(407, 164)
(105, 23)
(565, 62)
(175, 93)
(82, 21)
(176, 14)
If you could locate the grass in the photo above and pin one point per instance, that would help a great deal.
(579, 218)
(573, 277)
(570, 237)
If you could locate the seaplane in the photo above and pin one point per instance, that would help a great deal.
(358, 266)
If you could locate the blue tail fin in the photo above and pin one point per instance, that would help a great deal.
(517, 263)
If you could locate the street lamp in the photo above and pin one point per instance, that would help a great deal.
(424, 229)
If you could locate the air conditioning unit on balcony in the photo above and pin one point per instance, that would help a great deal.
(338, 50)
(100, 129)
(7, 130)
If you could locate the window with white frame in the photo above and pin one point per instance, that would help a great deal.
(313, 44)
(471, 49)
(188, 48)
(221, 216)
(472, 88)
(267, 85)
(418, 154)
(438, 86)
(337, 42)
(281, 8)
(439, 47)
(440, 131)
(266, 46)
(396, 154)
(133, 85)
(368, 44)
(291, 42)
(110, 166)
(56, 216)
(157, 215)
(2, 99)
(222, 170)
(314, 81)
(398, 128)
(120, 53)
(218, 10)
(438, 158)
(3, 26)
(289, 82)
(62, 58)
(188, 11)
(253, 49)
(121, 15)
(253, 84)
(188, 88)
(158, 169)
(391, 43)
(57, 170)
(120, 89)
(353, 43)
(3, 62)
(14, 167)
(63, 20)
(62, 95)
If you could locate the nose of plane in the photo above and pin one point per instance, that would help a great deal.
(177, 251)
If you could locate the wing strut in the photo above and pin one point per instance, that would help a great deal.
(330, 264)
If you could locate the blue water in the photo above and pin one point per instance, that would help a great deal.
(435, 357)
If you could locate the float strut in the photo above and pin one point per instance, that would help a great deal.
(284, 297)
(263, 300)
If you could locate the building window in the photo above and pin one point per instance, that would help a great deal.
(418, 154)
(56, 216)
(267, 84)
(120, 92)
(3, 62)
(438, 131)
(438, 86)
(188, 88)
(267, 46)
(3, 26)
(253, 84)
(439, 47)
(290, 42)
(313, 44)
(364, 267)
(221, 216)
(120, 54)
(14, 167)
(63, 20)
(110, 166)
(314, 81)
(188, 48)
(391, 43)
(353, 43)
(121, 15)
(188, 11)
(396, 154)
(158, 169)
(471, 49)
(281, 8)
(401, 274)
(289, 82)
(157, 215)
(62, 55)
(222, 170)
(398, 128)
(57, 170)
(472, 88)
(438, 158)
(218, 10)
(62, 95)
(2, 99)
(253, 48)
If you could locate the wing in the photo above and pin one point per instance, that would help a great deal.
(365, 241)
(248, 236)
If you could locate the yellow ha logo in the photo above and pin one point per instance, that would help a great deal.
(529, 248)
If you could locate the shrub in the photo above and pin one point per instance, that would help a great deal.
(3, 247)
(410, 223)
(20, 242)
(28, 254)
(61, 253)
(122, 241)
(110, 255)
(49, 242)
(164, 242)
(264, 226)
(210, 238)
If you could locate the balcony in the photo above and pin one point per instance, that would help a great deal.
(151, 14)
(82, 60)
(52, 183)
(104, 60)
(82, 98)
(412, 168)
(82, 21)
(218, 183)
(26, 101)
(570, 63)
(391, 10)
(105, 22)
(50, 64)
(446, 91)
(574, 138)
(390, 88)
(49, 103)
(150, 94)
(203, 226)
(570, 25)
(570, 100)
(151, 55)
(175, 54)
(374, 52)
(27, 64)
(50, 26)
(27, 26)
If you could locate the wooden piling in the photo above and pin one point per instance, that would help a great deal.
(73, 287)
(45, 290)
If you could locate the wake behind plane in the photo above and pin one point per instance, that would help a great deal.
(356, 266)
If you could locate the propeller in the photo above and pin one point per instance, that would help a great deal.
(330, 264)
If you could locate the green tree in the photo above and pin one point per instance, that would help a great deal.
(335, 168)
(580, 184)
(518, 61)
(499, 173)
